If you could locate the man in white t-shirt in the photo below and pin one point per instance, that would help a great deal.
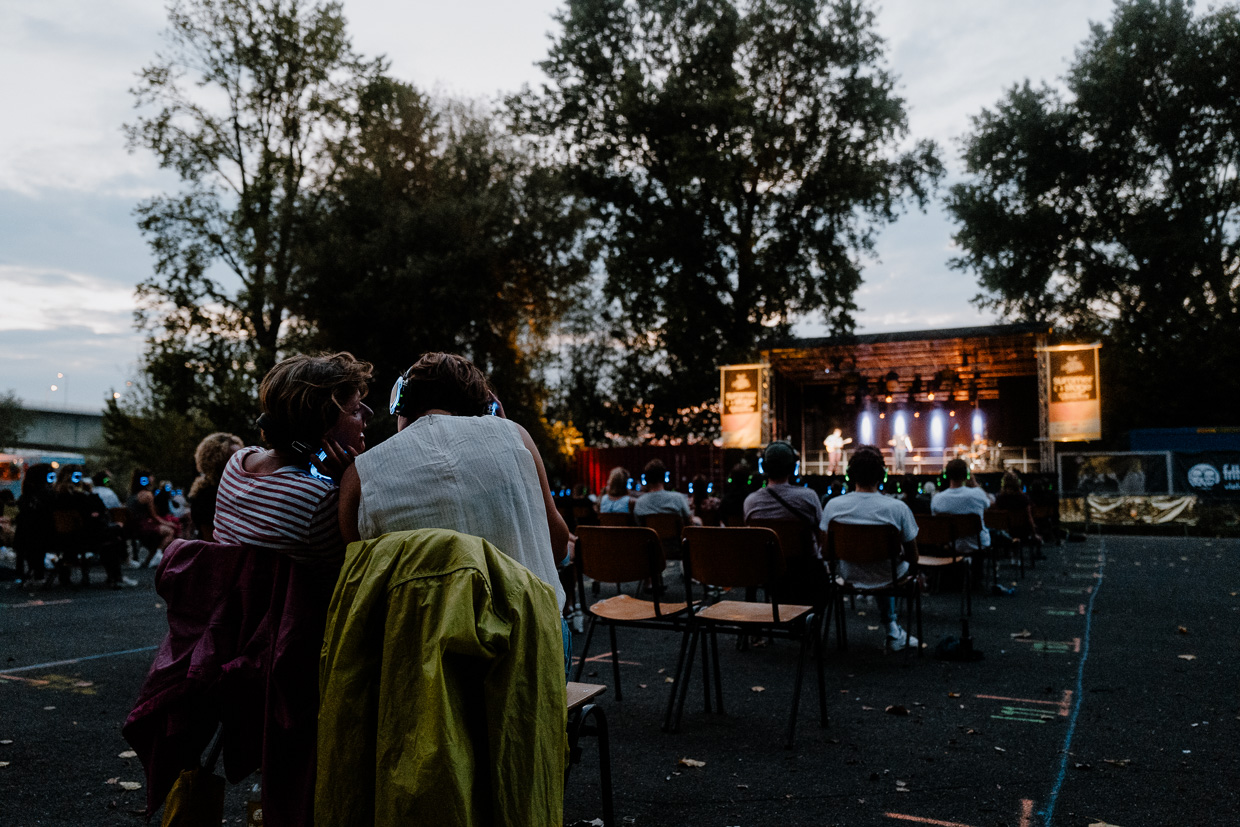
(866, 506)
(960, 498)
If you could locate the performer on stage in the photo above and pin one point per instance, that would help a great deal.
(900, 446)
(834, 443)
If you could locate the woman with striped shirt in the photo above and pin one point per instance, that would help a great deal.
(312, 414)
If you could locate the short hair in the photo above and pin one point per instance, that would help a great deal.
(617, 481)
(1011, 481)
(213, 452)
(135, 481)
(866, 466)
(956, 471)
(779, 459)
(445, 381)
(302, 397)
(655, 471)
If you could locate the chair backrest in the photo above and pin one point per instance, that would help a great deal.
(619, 554)
(66, 522)
(732, 557)
(583, 514)
(863, 545)
(936, 530)
(998, 519)
(796, 538)
(965, 525)
(667, 526)
(616, 519)
(733, 521)
(120, 516)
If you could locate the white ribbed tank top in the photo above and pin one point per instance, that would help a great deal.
(471, 474)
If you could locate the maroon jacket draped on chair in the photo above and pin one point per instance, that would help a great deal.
(245, 629)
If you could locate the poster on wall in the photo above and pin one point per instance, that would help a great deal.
(740, 397)
(1074, 406)
(1208, 473)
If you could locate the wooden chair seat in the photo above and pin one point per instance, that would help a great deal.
(579, 694)
(741, 612)
(587, 718)
(627, 609)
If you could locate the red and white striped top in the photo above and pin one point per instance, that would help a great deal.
(288, 511)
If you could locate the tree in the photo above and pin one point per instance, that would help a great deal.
(14, 419)
(737, 157)
(248, 107)
(1111, 209)
(442, 232)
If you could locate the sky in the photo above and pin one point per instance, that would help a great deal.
(71, 253)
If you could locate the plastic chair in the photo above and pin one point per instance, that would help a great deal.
(732, 558)
(622, 555)
(863, 545)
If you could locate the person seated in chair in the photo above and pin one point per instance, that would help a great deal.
(960, 498)
(658, 500)
(865, 505)
(779, 500)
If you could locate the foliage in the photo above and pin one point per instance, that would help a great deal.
(1111, 209)
(139, 433)
(247, 106)
(737, 158)
(14, 419)
(442, 233)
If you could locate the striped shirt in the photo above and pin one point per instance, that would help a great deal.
(287, 510)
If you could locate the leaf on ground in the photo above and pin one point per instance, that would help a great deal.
(742, 786)
(873, 628)
(50, 708)
(896, 709)
(112, 780)
(953, 694)
(860, 614)
(757, 689)
(669, 680)
(867, 708)
(691, 762)
(1117, 762)
(1000, 749)
(1081, 765)
(1023, 633)
(6, 741)
(1187, 657)
(128, 754)
(641, 686)
(4, 764)
(1182, 629)
(1102, 824)
(83, 684)
(129, 785)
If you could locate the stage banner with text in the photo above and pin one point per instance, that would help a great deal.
(1208, 473)
(741, 398)
(1074, 409)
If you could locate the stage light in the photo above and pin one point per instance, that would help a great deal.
(916, 414)
(867, 428)
(930, 396)
(937, 432)
(882, 416)
(888, 399)
(899, 425)
(951, 413)
(978, 424)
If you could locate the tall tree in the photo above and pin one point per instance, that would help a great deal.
(1111, 209)
(444, 233)
(14, 419)
(738, 157)
(248, 106)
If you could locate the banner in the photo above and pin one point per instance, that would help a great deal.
(1074, 408)
(1208, 473)
(1121, 473)
(741, 400)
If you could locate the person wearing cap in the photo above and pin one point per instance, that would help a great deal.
(779, 499)
(865, 505)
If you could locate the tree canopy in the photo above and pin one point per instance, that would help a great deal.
(14, 419)
(737, 158)
(1110, 209)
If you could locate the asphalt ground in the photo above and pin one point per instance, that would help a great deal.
(1120, 705)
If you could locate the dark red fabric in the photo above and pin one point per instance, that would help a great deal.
(245, 628)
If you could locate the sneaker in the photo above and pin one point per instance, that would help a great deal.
(1002, 591)
(123, 583)
(901, 640)
(132, 564)
(155, 560)
(577, 620)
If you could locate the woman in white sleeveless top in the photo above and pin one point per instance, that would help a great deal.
(452, 466)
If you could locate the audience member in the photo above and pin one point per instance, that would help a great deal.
(704, 505)
(103, 487)
(866, 506)
(780, 500)
(960, 498)
(152, 532)
(312, 416)
(617, 498)
(656, 499)
(210, 458)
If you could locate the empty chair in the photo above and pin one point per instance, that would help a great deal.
(623, 555)
(734, 558)
(936, 550)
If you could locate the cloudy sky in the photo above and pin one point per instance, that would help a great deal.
(70, 253)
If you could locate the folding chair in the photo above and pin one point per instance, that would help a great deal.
(739, 557)
(620, 555)
(863, 545)
(587, 718)
(936, 550)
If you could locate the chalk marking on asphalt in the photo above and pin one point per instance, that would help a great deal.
(1082, 575)
(920, 820)
(1049, 811)
(50, 664)
(36, 603)
(1024, 715)
(1059, 646)
(27, 681)
(1063, 703)
(606, 658)
(1053, 612)
(1026, 811)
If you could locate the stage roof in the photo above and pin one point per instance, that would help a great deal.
(977, 355)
